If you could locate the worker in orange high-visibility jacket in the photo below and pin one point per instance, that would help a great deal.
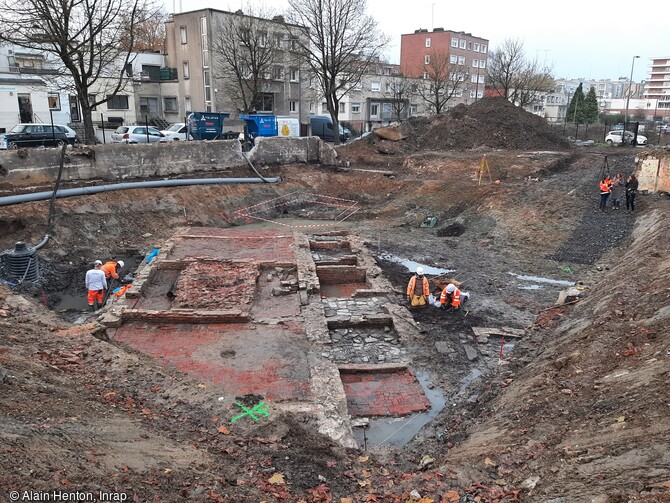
(453, 297)
(418, 289)
(605, 190)
(111, 269)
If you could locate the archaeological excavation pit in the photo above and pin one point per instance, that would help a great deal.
(370, 340)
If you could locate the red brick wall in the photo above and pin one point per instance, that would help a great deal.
(332, 274)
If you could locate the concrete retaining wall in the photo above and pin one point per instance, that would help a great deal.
(115, 162)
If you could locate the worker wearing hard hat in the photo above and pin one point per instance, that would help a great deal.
(96, 283)
(418, 289)
(453, 297)
(111, 269)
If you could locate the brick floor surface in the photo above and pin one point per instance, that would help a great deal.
(383, 393)
(269, 360)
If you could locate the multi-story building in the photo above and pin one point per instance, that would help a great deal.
(149, 94)
(467, 55)
(658, 85)
(25, 94)
(190, 47)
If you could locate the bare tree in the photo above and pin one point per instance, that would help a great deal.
(149, 34)
(400, 89)
(515, 77)
(244, 58)
(342, 42)
(89, 42)
(442, 81)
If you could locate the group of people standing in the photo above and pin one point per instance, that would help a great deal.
(418, 293)
(616, 188)
(96, 281)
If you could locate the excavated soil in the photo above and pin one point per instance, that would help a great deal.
(575, 411)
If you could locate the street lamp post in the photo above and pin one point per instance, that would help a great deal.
(630, 89)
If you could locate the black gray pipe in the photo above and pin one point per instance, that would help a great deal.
(96, 189)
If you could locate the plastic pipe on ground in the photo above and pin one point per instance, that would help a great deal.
(96, 189)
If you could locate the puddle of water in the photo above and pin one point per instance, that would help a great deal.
(538, 279)
(398, 431)
(72, 303)
(411, 265)
(469, 379)
(530, 287)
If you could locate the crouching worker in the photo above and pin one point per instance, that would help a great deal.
(418, 289)
(452, 297)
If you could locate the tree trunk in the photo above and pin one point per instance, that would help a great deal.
(87, 117)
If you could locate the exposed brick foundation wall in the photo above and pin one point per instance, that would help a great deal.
(332, 274)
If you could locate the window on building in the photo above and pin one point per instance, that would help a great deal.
(461, 60)
(311, 107)
(463, 44)
(475, 63)
(148, 104)
(91, 101)
(358, 85)
(265, 103)
(458, 93)
(428, 42)
(484, 49)
(477, 47)
(116, 102)
(74, 108)
(426, 59)
(342, 108)
(355, 108)
(324, 108)
(453, 59)
(263, 39)
(426, 75)
(413, 109)
(204, 41)
(480, 94)
(208, 85)
(293, 106)
(481, 79)
(482, 63)
(375, 86)
(186, 74)
(277, 73)
(473, 78)
(473, 93)
(170, 105)
(295, 75)
(187, 104)
(151, 72)
(387, 70)
(183, 34)
(279, 38)
(54, 101)
(374, 110)
(454, 42)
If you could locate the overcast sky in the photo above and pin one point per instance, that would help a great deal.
(578, 39)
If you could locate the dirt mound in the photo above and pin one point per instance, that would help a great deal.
(490, 123)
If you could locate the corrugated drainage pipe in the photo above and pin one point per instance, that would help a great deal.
(82, 191)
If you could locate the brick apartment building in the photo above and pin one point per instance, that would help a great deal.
(464, 49)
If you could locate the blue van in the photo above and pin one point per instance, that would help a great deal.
(322, 126)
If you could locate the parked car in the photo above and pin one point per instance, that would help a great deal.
(176, 132)
(33, 135)
(137, 134)
(69, 132)
(614, 138)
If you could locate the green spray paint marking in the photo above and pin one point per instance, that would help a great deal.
(258, 409)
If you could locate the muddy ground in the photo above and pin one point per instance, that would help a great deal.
(574, 411)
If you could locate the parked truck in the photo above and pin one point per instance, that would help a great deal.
(258, 125)
(206, 125)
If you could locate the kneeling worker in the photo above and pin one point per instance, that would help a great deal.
(453, 297)
(111, 269)
(418, 289)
